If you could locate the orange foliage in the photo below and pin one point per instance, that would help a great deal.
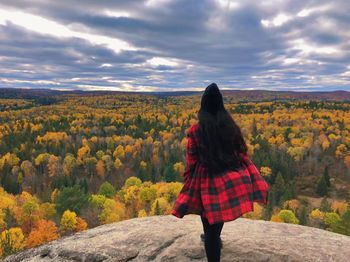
(43, 231)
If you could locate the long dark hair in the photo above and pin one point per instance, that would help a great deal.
(220, 138)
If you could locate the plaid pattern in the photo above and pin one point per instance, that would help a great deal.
(221, 198)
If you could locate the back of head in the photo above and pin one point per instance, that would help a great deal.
(212, 100)
(221, 140)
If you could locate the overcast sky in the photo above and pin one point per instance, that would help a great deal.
(164, 45)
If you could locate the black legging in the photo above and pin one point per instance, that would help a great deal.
(212, 239)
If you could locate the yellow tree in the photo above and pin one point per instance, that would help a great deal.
(160, 206)
(143, 165)
(316, 217)
(11, 241)
(340, 151)
(68, 221)
(265, 171)
(256, 213)
(119, 152)
(324, 141)
(147, 196)
(69, 163)
(112, 211)
(132, 200)
(142, 213)
(9, 159)
(31, 213)
(41, 158)
(3, 224)
(129, 150)
(179, 168)
(118, 164)
(83, 153)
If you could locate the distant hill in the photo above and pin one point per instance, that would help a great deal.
(258, 95)
(241, 95)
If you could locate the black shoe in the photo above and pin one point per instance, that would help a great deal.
(203, 239)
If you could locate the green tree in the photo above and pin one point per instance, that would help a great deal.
(288, 216)
(326, 176)
(279, 187)
(9, 218)
(290, 191)
(71, 198)
(325, 205)
(254, 129)
(303, 215)
(343, 226)
(169, 173)
(132, 181)
(322, 188)
(107, 190)
(331, 220)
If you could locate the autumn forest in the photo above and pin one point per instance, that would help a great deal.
(73, 161)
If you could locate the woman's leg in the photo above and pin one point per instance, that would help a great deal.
(212, 240)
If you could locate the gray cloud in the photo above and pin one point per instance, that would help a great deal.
(295, 45)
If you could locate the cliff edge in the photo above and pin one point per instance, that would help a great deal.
(167, 238)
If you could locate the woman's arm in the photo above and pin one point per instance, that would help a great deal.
(250, 165)
(191, 154)
(260, 186)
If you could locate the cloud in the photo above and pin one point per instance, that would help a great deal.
(47, 27)
(175, 45)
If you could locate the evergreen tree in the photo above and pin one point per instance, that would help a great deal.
(9, 219)
(327, 177)
(270, 203)
(286, 134)
(279, 187)
(325, 205)
(254, 129)
(84, 185)
(303, 216)
(290, 191)
(72, 198)
(169, 174)
(10, 183)
(142, 175)
(322, 188)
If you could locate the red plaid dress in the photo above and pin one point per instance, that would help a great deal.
(221, 198)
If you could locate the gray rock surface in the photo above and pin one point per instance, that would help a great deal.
(167, 238)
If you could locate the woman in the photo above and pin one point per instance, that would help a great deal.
(221, 182)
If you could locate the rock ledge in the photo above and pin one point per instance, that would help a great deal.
(167, 238)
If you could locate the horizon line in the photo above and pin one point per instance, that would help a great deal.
(168, 91)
